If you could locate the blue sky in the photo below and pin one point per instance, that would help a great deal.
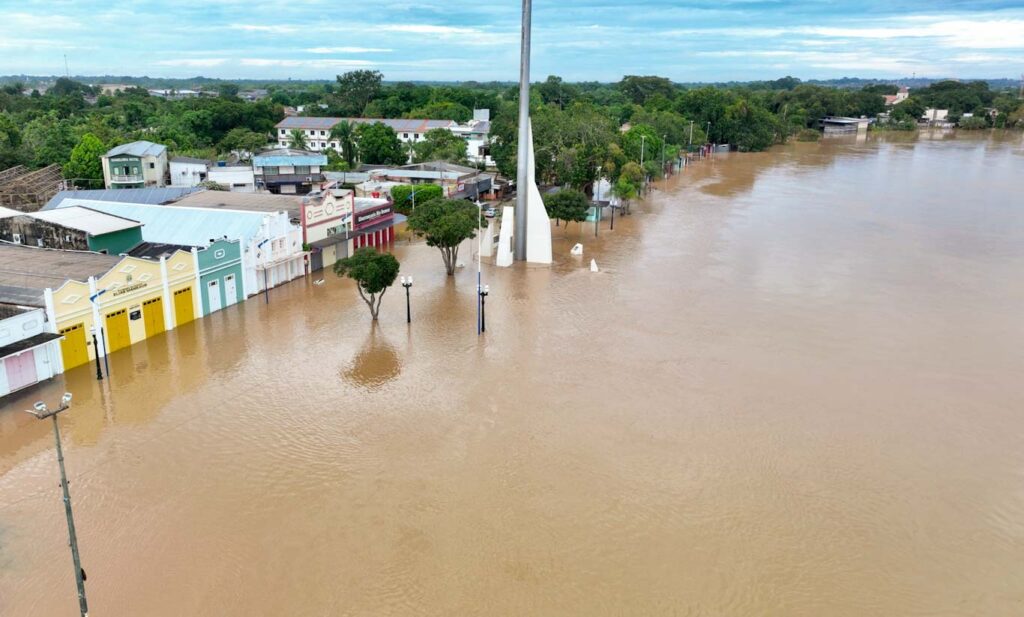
(697, 40)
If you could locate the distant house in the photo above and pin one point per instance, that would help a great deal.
(113, 88)
(317, 130)
(477, 133)
(235, 178)
(899, 97)
(136, 165)
(935, 116)
(287, 171)
(188, 171)
(173, 94)
(29, 351)
(78, 228)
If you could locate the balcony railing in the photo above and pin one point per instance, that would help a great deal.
(126, 179)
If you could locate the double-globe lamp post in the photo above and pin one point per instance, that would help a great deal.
(407, 283)
(43, 412)
(484, 292)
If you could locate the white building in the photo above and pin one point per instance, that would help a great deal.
(188, 171)
(317, 132)
(271, 242)
(236, 178)
(29, 352)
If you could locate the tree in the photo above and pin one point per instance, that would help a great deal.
(625, 190)
(567, 205)
(298, 139)
(345, 134)
(85, 164)
(402, 196)
(442, 110)
(243, 140)
(379, 145)
(640, 88)
(440, 145)
(373, 273)
(554, 91)
(228, 91)
(355, 90)
(445, 223)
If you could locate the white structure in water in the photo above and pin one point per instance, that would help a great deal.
(538, 225)
(504, 257)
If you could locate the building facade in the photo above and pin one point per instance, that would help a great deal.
(288, 172)
(29, 351)
(78, 229)
(187, 171)
(134, 300)
(220, 275)
(326, 222)
(139, 164)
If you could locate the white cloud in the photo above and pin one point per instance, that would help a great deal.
(347, 50)
(193, 62)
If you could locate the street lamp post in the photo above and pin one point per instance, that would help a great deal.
(96, 353)
(407, 283)
(484, 292)
(42, 412)
(479, 257)
(663, 138)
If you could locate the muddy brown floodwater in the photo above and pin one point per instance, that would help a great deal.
(794, 389)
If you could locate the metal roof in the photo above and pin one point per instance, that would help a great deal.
(181, 225)
(151, 195)
(32, 268)
(92, 222)
(286, 160)
(190, 159)
(252, 202)
(138, 148)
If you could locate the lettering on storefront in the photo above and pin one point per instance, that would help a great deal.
(366, 217)
(128, 289)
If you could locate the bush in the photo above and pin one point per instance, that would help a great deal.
(808, 135)
(402, 196)
(973, 123)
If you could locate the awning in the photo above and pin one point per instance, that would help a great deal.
(351, 235)
(29, 343)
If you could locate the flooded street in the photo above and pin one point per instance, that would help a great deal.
(794, 389)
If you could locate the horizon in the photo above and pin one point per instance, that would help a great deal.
(704, 41)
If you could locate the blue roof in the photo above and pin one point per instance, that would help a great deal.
(285, 160)
(181, 225)
(151, 195)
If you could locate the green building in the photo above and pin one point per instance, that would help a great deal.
(77, 228)
(135, 165)
(220, 275)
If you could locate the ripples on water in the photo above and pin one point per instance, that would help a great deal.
(791, 390)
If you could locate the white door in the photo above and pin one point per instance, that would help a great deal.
(230, 292)
(213, 294)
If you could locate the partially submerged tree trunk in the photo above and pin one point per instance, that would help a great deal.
(373, 301)
(450, 255)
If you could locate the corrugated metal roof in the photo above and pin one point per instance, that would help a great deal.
(190, 159)
(92, 222)
(289, 160)
(152, 195)
(138, 148)
(254, 202)
(181, 225)
(32, 268)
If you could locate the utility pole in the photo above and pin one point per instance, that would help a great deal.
(691, 137)
(42, 412)
(663, 138)
(522, 171)
(643, 173)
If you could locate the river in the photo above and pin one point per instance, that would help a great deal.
(793, 389)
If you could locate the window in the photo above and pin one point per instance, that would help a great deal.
(152, 165)
(323, 144)
(405, 136)
(17, 238)
(284, 132)
(270, 171)
(311, 133)
(334, 144)
(302, 169)
(323, 133)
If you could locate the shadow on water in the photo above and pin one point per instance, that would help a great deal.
(375, 364)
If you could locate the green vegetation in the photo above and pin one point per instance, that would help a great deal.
(85, 166)
(576, 125)
(445, 223)
(440, 145)
(808, 135)
(402, 195)
(567, 205)
(373, 273)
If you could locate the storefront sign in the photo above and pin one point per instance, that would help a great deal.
(128, 289)
(369, 217)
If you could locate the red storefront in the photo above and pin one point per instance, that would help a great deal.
(373, 223)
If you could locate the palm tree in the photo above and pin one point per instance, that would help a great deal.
(298, 140)
(344, 134)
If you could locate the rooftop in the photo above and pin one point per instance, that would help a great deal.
(138, 148)
(29, 267)
(92, 222)
(252, 202)
(190, 159)
(156, 250)
(10, 310)
(182, 225)
(150, 195)
(284, 157)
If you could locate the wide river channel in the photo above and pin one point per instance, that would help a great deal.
(795, 388)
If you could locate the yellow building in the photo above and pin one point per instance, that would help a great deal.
(134, 300)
